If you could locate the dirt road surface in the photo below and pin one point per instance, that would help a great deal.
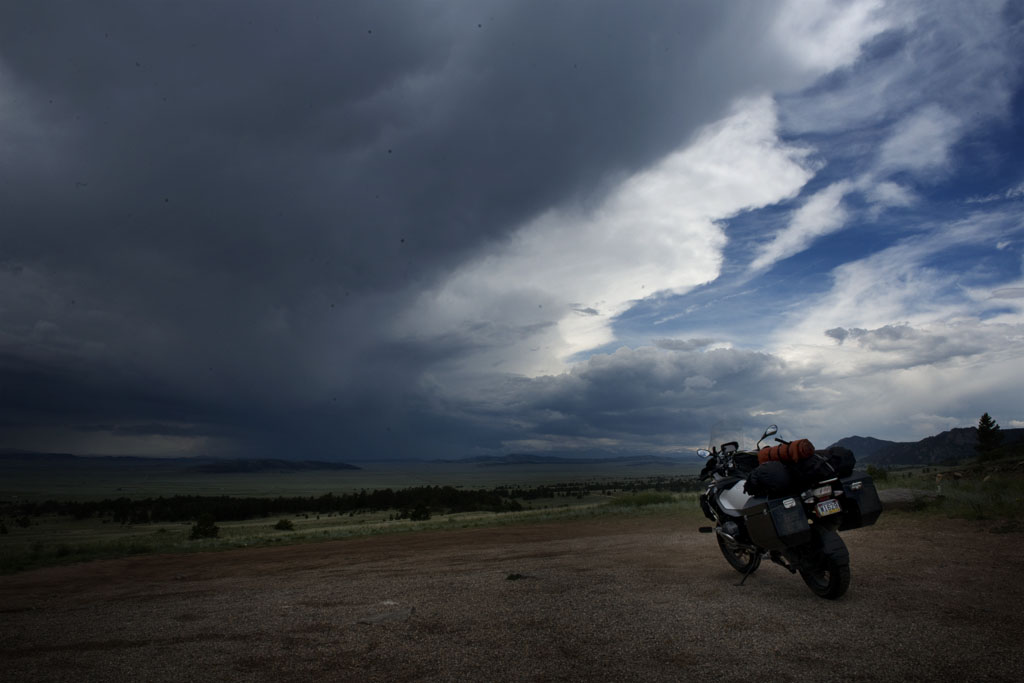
(612, 599)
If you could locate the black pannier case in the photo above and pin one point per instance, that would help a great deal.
(861, 506)
(773, 525)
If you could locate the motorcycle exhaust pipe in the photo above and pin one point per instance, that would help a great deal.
(728, 532)
(729, 540)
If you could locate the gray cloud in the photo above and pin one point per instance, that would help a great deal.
(653, 398)
(838, 333)
(683, 344)
(909, 347)
(212, 211)
(588, 311)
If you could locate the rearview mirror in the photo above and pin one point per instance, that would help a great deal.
(703, 452)
(772, 429)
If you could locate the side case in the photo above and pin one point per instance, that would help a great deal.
(861, 506)
(775, 526)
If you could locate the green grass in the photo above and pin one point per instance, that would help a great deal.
(52, 541)
(641, 499)
(990, 491)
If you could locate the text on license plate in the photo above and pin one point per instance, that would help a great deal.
(828, 507)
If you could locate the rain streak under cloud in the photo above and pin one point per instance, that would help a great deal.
(364, 229)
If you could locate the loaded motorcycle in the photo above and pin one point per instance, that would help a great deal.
(790, 512)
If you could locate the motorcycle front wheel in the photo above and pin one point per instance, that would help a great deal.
(742, 560)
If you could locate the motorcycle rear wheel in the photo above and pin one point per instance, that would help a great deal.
(829, 579)
(743, 561)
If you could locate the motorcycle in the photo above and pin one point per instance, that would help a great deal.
(798, 527)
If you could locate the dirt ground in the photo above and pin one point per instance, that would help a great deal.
(644, 598)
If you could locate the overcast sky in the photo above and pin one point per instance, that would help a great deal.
(348, 230)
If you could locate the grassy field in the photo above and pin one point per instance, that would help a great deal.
(51, 540)
(991, 493)
(47, 540)
(986, 491)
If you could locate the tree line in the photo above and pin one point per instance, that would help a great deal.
(437, 499)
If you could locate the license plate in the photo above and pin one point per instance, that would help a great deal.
(829, 507)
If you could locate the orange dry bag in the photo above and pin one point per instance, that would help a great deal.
(786, 452)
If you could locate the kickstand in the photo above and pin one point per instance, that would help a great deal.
(750, 570)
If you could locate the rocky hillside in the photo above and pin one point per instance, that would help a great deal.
(948, 447)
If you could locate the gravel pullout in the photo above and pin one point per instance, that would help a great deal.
(644, 598)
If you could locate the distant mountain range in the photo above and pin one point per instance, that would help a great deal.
(950, 446)
(226, 465)
(947, 447)
(197, 464)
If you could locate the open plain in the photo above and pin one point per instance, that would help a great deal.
(618, 598)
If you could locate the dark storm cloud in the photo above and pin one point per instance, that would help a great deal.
(212, 211)
(639, 399)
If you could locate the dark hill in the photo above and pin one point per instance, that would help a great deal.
(948, 447)
(234, 466)
(864, 446)
(30, 460)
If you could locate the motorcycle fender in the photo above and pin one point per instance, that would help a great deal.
(832, 546)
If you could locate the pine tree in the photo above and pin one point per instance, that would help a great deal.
(989, 436)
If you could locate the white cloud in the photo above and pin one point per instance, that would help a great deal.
(560, 280)
(895, 285)
(1016, 192)
(821, 214)
(921, 142)
(896, 336)
(960, 56)
(887, 194)
(823, 36)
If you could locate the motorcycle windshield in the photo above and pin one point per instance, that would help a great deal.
(728, 431)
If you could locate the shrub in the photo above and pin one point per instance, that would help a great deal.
(877, 473)
(641, 499)
(284, 525)
(204, 528)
